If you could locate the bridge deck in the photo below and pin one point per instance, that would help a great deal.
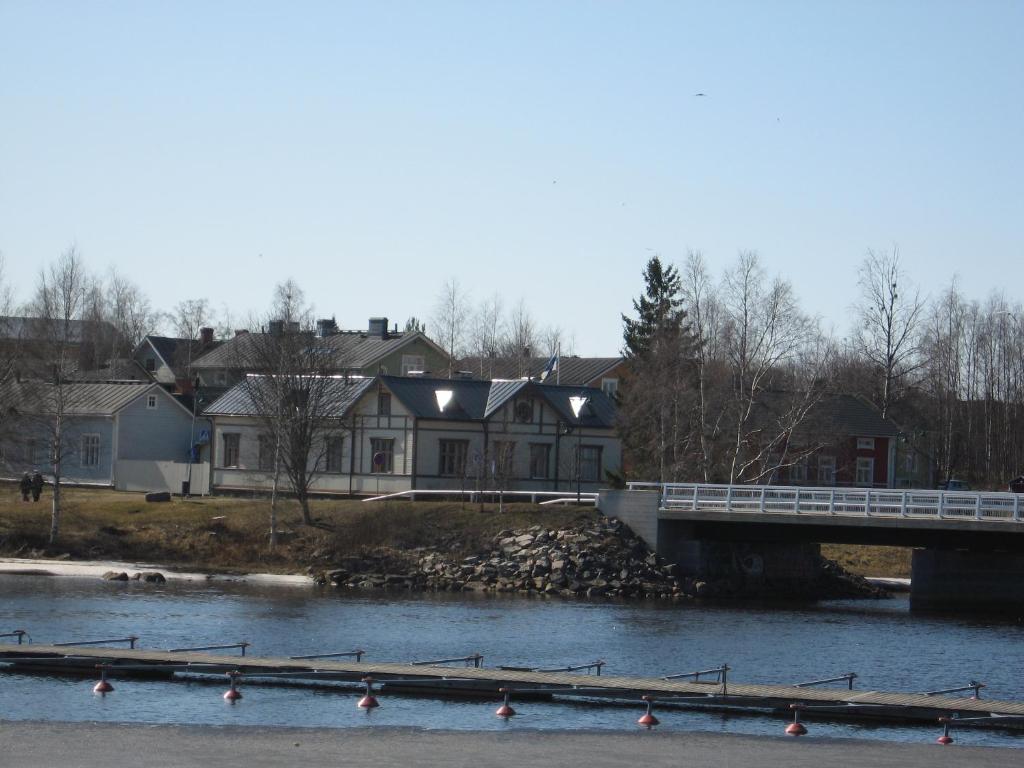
(479, 681)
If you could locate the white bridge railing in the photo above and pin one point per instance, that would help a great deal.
(859, 502)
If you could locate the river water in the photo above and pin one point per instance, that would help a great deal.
(882, 641)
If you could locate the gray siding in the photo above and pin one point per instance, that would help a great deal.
(18, 460)
(155, 434)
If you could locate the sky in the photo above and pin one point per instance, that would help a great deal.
(540, 151)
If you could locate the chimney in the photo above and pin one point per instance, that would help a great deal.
(240, 332)
(206, 336)
(379, 327)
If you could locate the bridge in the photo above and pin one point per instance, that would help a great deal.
(968, 547)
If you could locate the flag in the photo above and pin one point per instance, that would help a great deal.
(551, 366)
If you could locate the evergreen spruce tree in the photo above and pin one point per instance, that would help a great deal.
(657, 393)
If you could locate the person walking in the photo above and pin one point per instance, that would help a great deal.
(37, 485)
(25, 485)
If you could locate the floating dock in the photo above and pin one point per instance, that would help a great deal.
(475, 680)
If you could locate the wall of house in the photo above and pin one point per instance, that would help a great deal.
(18, 458)
(162, 433)
(392, 364)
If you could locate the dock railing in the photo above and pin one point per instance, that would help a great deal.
(855, 502)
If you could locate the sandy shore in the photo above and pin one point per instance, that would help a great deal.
(96, 569)
(93, 745)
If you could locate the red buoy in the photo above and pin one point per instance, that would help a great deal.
(796, 728)
(232, 694)
(648, 720)
(945, 739)
(103, 686)
(505, 710)
(369, 701)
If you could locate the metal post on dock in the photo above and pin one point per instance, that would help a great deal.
(242, 645)
(18, 633)
(358, 654)
(849, 677)
(131, 640)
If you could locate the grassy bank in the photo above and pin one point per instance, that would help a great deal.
(231, 534)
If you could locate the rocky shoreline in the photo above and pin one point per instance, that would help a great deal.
(602, 559)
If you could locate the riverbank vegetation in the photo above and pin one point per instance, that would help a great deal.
(219, 533)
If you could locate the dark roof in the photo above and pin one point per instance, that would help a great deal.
(35, 328)
(175, 351)
(476, 400)
(81, 398)
(573, 369)
(341, 393)
(834, 415)
(348, 350)
(853, 416)
(120, 369)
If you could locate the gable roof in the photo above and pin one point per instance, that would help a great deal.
(118, 369)
(348, 350)
(340, 395)
(87, 398)
(175, 351)
(573, 369)
(477, 400)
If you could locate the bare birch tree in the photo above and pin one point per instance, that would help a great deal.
(451, 313)
(60, 299)
(889, 314)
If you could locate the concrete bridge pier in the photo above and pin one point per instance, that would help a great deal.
(749, 567)
(943, 579)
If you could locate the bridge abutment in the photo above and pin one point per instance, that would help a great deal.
(958, 580)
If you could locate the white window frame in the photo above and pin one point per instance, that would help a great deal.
(610, 386)
(151, 401)
(865, 476)
(385, 445)
(865, 443)
(413, 363)
(334, 454)
(826, 470)
(596, 453)
(452, 456)
(89, 450)
(235, 437)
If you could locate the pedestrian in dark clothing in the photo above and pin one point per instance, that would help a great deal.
(37, 485)
(25, 485)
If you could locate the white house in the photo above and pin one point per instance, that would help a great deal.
(394, 433)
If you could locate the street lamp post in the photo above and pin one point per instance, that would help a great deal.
(576, 403)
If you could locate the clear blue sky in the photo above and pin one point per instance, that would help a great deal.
(372, 150)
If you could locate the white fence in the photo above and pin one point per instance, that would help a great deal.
(859, 502)
(161, 476)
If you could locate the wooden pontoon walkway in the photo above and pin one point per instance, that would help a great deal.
(486, 682)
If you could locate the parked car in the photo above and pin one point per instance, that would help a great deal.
(955, 485)
(1017, 484)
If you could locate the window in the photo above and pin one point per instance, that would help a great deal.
(909, 462)
(90, 450)
(150, 364)
(151, 402)
(383, 455)
(334, 449)
(383, 403)
(231, 443)
(266, 452)
(524, 411)
(590, 463)
(540, 455)
(610, 387)
(865, 471)
(413, 363)
(827, 470)
(453, 457)
(865, 443)
(503, 458)
(220, 378)
(798, 472)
